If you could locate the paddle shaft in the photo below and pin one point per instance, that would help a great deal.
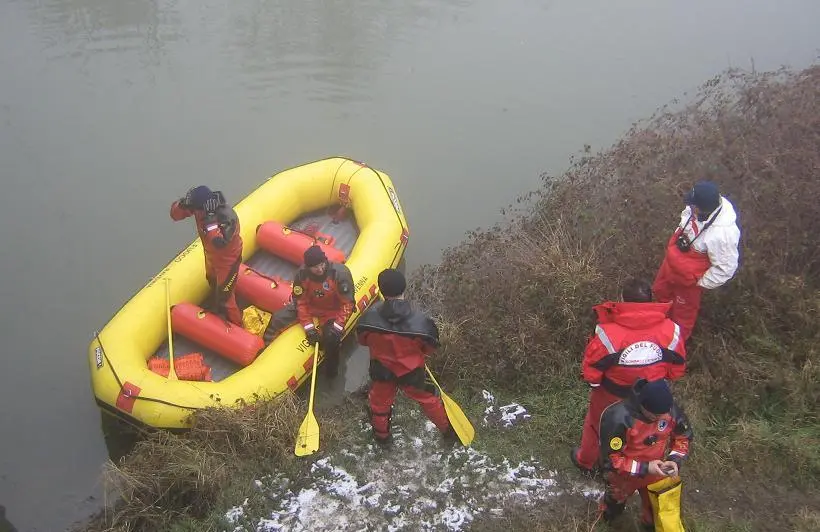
(430, 373)
(172, 374)
(313, 377)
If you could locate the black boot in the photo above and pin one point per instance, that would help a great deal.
(611, 508)
(449, 436)
(383, 441)
(331, 365)
(587, 472)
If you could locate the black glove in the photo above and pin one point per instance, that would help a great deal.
(211, 204)
(332, 331)
(313, 336)
(185, 201)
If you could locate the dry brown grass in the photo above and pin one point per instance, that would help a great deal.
(807, 520)
(170, 476)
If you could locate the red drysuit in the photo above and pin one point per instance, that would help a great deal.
(399, 339)
(629, 442)
(219, 233)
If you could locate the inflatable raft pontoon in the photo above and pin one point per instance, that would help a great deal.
(305, 200)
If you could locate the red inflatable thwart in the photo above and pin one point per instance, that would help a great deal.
(267, 293)
(290, 245)
(211, 331)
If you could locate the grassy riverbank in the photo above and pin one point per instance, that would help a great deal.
(515, 300)
(514, 307)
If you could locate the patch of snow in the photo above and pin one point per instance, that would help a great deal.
(268, 525)
(398, 524)
(512, 413)
(505, 416)
(418, 483)
(392, 509)
(592, 493)
(446, 486)
(373, 500)
(455, 518)
(233, 515)
(426, 504)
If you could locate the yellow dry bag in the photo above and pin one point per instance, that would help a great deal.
(255, 320)
(665, 498)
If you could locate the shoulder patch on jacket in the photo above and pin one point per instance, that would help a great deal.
(297, 290)
(343, 277)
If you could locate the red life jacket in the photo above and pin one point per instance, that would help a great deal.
(633, 341)
(684, 267)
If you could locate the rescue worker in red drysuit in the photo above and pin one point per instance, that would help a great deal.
(701, 254)
(634, 339)
(644, 438)
(399, 338)
(218, 228)
(323, 290)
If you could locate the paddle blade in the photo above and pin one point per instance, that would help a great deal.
(461, 425)
(307, 440)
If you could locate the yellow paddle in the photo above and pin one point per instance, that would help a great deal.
(307, 441)
(464, 429)
(172, 374)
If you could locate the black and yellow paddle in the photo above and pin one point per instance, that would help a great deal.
(307, 440)
(172, 374)
(458, 420)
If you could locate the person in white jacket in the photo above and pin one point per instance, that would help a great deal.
(701, 254)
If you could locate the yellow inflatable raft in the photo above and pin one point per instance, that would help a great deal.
(373, 238)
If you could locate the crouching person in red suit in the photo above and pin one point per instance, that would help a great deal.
(634, 339)
(399, 338)
(644, 439)
(218, 228)
(322, 290)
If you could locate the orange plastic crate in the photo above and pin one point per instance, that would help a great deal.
(190, 367)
